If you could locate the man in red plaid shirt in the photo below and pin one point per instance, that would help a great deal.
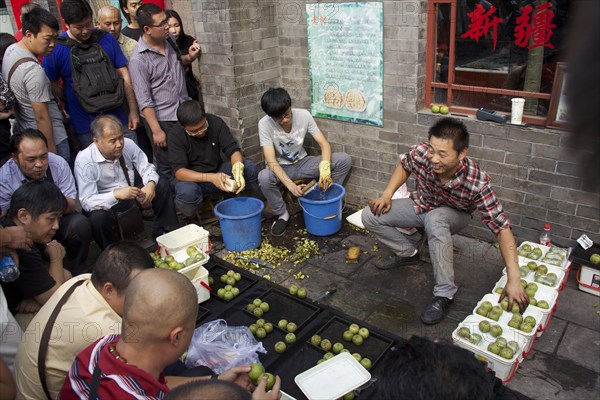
(449, 187)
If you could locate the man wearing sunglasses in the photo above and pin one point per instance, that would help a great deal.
(195, 149)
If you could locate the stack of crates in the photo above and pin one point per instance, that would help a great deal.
(176, 244)
(544, 272)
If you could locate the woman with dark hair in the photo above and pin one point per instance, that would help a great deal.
(184, 42)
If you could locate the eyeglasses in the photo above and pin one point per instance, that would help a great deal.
(162, 24)
(198, 131)
(287, 115)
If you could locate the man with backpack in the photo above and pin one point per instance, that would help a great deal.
(36, 107)
(98, 80)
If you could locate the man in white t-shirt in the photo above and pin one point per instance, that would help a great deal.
(36, 106)
(282, 132)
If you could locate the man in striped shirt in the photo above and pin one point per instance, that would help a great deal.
(159, 318)
(158, 80)
(449, 188)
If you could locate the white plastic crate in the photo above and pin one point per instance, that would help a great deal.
(507, 315)
(196, 274)
(588, 279)
(560, 274)
(565, 265)
(504, 368)
(543, 293)
(182, 238)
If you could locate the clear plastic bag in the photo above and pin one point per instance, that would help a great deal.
(221, 347)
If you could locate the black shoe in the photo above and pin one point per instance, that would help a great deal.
(279, 226)
(394, 261)
(436, 310)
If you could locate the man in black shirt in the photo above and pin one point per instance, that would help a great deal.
(41, 268)
(129, 8)
(195, 149)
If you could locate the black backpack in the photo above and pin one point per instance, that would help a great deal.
(96, 83)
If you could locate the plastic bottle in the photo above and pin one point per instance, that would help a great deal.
(545, 236)
(8, 269)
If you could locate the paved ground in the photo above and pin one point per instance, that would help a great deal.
(565, 361)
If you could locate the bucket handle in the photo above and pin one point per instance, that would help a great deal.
(322, 218)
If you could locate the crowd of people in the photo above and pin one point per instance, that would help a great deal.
(75, 158)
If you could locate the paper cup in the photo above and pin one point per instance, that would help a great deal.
(516, 113)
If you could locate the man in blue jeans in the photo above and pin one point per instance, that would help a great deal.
(195, 148)
(449, 188)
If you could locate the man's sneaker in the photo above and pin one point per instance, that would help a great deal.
(279, 226)
(436, 310)
(394, 261)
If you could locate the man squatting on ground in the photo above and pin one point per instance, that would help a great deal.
(449, 188)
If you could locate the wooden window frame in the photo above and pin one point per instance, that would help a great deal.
(453, 88)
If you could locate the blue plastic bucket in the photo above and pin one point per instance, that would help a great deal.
(239, 218)
(323, 210)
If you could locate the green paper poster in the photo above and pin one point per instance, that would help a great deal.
(345, 58)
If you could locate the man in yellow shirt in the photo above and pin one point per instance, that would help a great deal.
(93, 310)
(109, 20)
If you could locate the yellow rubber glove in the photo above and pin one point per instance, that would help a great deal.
(325, 175)
(237, 170)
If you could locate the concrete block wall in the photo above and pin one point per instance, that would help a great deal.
(240, 61)
(247, 50)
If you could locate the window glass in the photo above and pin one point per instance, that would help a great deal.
(504, 44)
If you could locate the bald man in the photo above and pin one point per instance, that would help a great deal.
(109, 20)
(158, 324)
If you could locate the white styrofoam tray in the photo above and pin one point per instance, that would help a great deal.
(543, 293)
(333, 378)
(503, 367)
(507, 315)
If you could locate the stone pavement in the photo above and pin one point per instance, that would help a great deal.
(565, 362)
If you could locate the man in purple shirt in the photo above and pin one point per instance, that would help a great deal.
(158, 80)
(449, 188)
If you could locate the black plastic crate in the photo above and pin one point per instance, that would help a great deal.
(374, 347)
(215, 271)
(582, 257)
(284, 306)
(202, 313)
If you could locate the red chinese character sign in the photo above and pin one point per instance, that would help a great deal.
(538, 31)
(481, 22)
(533, 29)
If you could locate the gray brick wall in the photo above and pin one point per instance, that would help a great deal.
(251, 45)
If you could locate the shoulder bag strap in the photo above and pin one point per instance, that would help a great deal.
(49, 176)
(16, 65)
(124, 168)
(46, 336)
